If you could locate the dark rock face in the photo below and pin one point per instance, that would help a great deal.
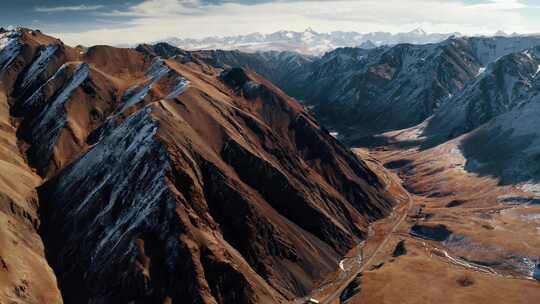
(351, 290)
(235, 77)
(179, 182)
(536, 272)
(160, 49)
(437, 233)
(455, 203)
(400, 249)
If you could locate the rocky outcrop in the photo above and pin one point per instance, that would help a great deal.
(170, 180)
(400, 249)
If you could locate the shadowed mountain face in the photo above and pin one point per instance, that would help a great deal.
(504, 85)
(363, 92)
(492, 124)
(493, 120)
(162, 179)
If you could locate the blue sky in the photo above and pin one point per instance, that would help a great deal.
(132, 21)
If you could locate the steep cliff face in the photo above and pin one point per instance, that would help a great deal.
(169, 180)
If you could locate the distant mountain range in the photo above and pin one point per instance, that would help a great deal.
(308, 41)
(482, 92)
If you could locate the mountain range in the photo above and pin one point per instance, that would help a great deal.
(308, 42)
(360, 93)
(130, 176)
(157, 174)
(457, 120)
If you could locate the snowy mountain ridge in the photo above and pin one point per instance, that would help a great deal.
(307, 42)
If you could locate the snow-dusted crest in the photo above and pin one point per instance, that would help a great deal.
(9, 48)
(137, 93)
(180, 87)
(51, 119)
(39, 65)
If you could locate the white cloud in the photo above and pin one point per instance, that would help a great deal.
(156, 19)
(52, 9)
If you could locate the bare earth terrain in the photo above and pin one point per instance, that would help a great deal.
(467, 239)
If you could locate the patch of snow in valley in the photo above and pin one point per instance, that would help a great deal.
(535, 217)
(500, 259)
(526, 264)
(466, 264)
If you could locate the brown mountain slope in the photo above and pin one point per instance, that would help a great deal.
(25, 276)
(22, 263)
(170, 181)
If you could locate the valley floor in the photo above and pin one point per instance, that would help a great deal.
(464, 238)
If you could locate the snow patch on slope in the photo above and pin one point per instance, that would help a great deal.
(9, 48)
(125, 171)
(481, 71)
(180, 87)
(51, 119)
(38, 96)
(136, 94)
(39, 65)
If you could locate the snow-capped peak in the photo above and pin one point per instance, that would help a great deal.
(308, 41)
(418, 31)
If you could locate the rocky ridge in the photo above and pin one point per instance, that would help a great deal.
(161, 178)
